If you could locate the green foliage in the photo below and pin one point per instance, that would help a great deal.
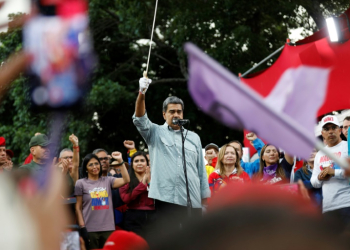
(236, 33)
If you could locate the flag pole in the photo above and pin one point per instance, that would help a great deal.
(261, 62)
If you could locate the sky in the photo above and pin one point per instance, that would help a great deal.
(13, 6)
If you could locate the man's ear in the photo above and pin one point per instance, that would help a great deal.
(32, 150)
(164, 115)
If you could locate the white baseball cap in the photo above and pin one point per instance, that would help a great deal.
(330, 119)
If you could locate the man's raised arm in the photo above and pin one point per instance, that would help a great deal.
(140, 108)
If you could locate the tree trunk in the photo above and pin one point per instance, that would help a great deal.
(314, 10)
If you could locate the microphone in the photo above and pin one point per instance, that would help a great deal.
(180, 122)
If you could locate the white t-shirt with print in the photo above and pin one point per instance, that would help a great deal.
(336, 191)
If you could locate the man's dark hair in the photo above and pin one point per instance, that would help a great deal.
(347, 118)
(86, 160)
(237, 143)
(172, 100)
(96, 151)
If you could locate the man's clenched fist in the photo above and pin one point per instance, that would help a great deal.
(144, 84)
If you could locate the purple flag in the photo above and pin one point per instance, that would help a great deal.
(285, 118)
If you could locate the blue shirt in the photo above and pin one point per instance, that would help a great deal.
(167, 174)
(253, 167)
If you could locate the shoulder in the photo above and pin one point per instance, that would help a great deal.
(344, 145)
(214, 174)
(109, 179)
(299, 171)
(193, 134)
(124, 188)
(27, 165)
(80, 181)
(209, 168)
(318, 155)
(244, 173)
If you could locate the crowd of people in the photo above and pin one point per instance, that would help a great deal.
(145, 193)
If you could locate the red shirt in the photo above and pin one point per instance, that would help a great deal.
(216, 181)
(138, 199)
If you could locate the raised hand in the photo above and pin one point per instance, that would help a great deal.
(147, 177)
(210, 154)
(117, 156)
(144, 84)
(63, 164)
(148, 174)
(251, 136)
(129, 144)
(74, 140)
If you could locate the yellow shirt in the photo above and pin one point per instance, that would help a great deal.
(209, 170)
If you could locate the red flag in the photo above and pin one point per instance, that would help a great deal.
(319, 53)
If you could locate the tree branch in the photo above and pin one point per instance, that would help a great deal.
(111, 14)
(315, 11)
(170, 80)
(164, 59)
(183, 67)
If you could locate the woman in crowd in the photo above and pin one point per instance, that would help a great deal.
(271, 170)
(228, 169)
(94, 207)
(112, 171)
(304, 174)
(141, 209)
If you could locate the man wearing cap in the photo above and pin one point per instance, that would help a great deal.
(329, 176)
(211, 155)
(9, 156)
(3, 158)
(39, 149)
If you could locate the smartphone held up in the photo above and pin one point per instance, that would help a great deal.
(60, 45)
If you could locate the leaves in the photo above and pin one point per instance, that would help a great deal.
(237, 34)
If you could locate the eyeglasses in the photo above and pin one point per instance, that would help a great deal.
(93, 164)
(103, 159)
(68, 157)
(330, 128)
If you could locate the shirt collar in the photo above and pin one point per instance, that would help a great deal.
(233, 172)
(168, 127)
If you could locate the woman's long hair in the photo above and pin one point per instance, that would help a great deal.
(133, 178)
(86, 160)
(279, 172)
(306, 163)
(220, 165)
(304, 167)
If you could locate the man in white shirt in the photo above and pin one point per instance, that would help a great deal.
(329, 176)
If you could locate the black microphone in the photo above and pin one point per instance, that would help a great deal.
(180, 122)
